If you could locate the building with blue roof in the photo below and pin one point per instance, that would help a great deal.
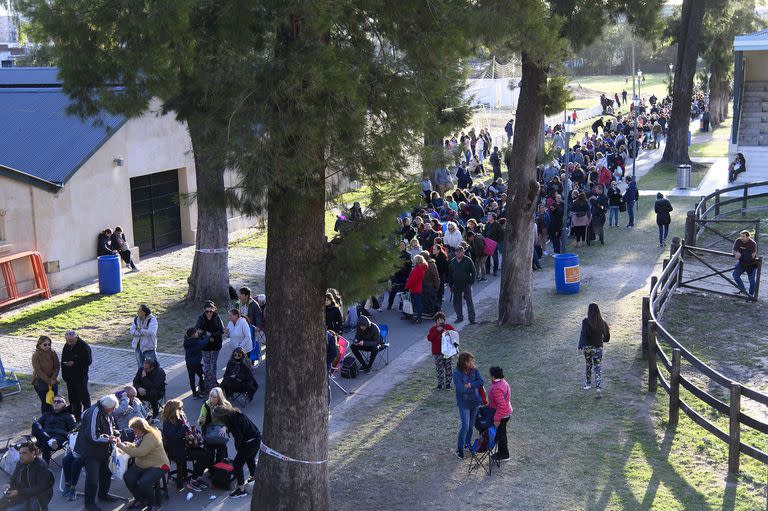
(63, 179)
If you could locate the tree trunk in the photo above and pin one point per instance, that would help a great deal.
(691, 19)
(515, 295)
(209, 279)
(295, 398)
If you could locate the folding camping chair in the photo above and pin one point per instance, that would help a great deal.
(383, 347)
(9, 385)
(343, 352)
(483, 451)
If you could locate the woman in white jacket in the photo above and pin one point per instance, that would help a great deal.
(452, 237)
(144, 335)
(239, 332)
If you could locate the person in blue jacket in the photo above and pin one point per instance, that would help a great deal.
(467, 381)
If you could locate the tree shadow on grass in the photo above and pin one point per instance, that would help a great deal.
(47, 311)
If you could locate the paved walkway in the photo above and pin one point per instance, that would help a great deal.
(111, 366)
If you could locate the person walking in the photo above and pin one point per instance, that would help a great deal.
(631, 195)
(745, 252)
(45, 372)
(144, 335)
(149, 465)
(247, 443)
(468, 382)
(499, 400)
(209, 323)
(76, 360)
(663, 208)
(461, 276)
(594, 333)
(442, 364)
(93, 445)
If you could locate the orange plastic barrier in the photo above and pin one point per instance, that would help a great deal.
(41, 281)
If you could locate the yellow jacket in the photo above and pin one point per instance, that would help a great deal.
(149, 453)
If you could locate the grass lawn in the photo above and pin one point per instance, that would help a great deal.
(611, 84)
(717, 146)
(580, 104)
(663, 176)
(569, 450)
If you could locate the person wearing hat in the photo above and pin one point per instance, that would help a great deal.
(663, 208)
(367, 338)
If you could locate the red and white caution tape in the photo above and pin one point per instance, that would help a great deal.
(271, 452)
(212, 250)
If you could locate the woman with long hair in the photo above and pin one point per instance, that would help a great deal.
(182, 443)
(210, 323)
(594, 333)
(150, 463)
(238, 376)
(499, 400)
(211, 426)
(580, 218)
(467, 382)
(45, 371)
(414, 284)
(247, 442)
(333, 319)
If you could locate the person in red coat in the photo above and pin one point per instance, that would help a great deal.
(414, 285)
(443, 366)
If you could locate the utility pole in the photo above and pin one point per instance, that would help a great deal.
(633, 64)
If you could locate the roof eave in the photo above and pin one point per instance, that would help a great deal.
(19, 175)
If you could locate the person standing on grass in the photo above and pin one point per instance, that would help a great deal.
(461, 276)
(745, 252)
(76, 359)
(663, 208)
(594, 333)
(614, 204)
(144, 335)
(442, 364)
(498, 399)
(209, 324)
(468, 382)
(45, 372)
(631, 195)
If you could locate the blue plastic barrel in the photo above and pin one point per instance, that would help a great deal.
(110, 276)
(567, 273)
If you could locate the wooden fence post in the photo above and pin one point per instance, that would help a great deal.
(734, 429)
(680, 264)
(646, 316)
(654, 280)
(653, 371)
(745, 201)
(674, 388)
(674, 246)
(757, 233)
(690, 228)
(717, 202)
(664, 264)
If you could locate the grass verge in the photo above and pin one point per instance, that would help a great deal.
(663, 176)
(611, 84)
(717, 145)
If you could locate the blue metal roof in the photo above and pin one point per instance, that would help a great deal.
(22, 76)
(39, 142)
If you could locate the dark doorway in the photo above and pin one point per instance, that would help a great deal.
(156, 211)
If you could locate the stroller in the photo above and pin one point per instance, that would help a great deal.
(484, 446)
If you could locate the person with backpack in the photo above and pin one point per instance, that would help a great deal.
(247, 443)
(663, 208)
(144, 335)
(468, 382)
(594, 333)
(498, 399)
(442, 363)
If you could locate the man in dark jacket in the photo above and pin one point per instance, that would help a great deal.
(631, 195)
(76, 358)
(662, 207)
(367, 338)
(495, 232)
(598, 205)
(496, 163)
(94, 446)
(509, 129)
(461, 276)
(52, 428)
(407, 232)
(103, 243)
(150, 385)
(31, 484)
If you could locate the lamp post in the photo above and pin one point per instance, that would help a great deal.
(636, 101)
(670, 88)
(709, 76)
(568, 128)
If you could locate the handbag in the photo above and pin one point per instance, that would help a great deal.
(213, 436)
(622, 206)
(118, 463)
(49, 395)
(407, 304)
(490, 247)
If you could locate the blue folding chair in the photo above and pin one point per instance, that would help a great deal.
(9, 385)
(483, 450)
(383, 347)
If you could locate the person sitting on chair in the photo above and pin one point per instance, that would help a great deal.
(149, 466)
(367, 338)
(238, 377)
(182, 443)
(52, 428)
(130, 406)
(150, 384)
(31, 485)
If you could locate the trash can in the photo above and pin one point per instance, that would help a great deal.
(567, 273)
(683, 176)
(110, 276)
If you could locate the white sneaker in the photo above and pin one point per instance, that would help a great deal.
(599, 393)
(587, 386)
(546, 253)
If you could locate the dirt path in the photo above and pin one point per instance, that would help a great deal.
(569, 450)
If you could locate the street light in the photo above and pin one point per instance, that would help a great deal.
(636, 102)
(669, 88)
(709, 75)
(568, 128)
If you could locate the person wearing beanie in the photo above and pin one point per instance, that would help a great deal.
(663, 208)
(367, 338)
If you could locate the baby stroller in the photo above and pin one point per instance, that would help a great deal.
(484, 446)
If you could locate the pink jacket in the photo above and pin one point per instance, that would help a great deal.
(498, 398)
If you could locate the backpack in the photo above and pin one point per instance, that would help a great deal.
(349, 368)
(222, 475)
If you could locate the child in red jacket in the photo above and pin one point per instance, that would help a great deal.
(498, 399)
(443, 366)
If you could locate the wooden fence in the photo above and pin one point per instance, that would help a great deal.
(656, 338)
